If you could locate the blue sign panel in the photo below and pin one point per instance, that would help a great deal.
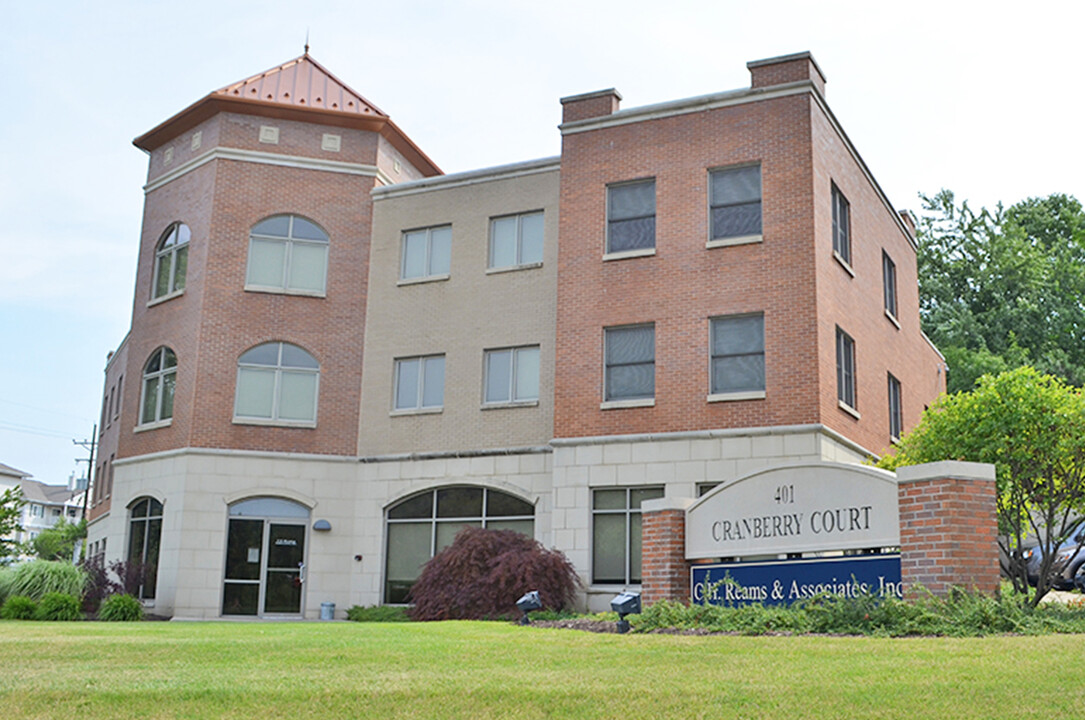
(783, 582)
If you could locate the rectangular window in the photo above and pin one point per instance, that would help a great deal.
(420, 383)
(630, 362)
(735, 202)
(631, 216)
(845, 368)
(896, 413)
(427, 253)
(841, 226)
(516, 240)
(37, 511)
(889, 284)
(616, 534)
(512, 375)
(738, 354)
(117, 407)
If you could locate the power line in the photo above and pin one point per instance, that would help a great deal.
(30, 430)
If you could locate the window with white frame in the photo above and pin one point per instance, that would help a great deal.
(159, 382)
(845, 368)
(841, 225)
(420, 383)
(616, 534)
(37, 511)
(287, 253)
(630, 354)
(738, 354)
(631, 216)
(171, 260)
(144, 539)
(889, 284)
(516, 240)
(277, 382)
(512, 375)
(427, 253)
(896, 412)
(422, 525)
(735, 202)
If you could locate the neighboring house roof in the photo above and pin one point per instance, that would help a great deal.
(9, 470)
(34, 491)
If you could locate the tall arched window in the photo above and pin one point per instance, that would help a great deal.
(171, 260)
(422, 525)
(159, 381)
(287, 253)
(277, 382)
(144, 540)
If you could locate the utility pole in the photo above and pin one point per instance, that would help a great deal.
(89, 446)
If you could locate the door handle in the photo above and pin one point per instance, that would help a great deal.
(301, 572)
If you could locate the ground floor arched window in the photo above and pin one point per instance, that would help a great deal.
(420, 526)
(144, 540)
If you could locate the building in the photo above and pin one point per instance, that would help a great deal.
(45, 504)
(339, 355)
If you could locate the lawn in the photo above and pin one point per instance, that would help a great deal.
(498, 670)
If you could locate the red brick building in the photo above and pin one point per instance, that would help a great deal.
(338, 356)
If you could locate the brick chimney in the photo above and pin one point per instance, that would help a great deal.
(786, 69)
(590, 105)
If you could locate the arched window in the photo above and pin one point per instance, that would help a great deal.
(144, 539)
(277, 382)
(171, 260)
(422, 525)
(159, 380)
(287, 253)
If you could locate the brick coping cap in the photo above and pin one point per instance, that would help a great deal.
(666, 503)
(804, 55)
(609, 92)
(950, 469)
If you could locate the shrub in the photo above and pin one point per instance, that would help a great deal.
(484, 572)
(120, 608)
(6, 576)
(98, 585)
(18, 607)
(377, 613)
(58, 606)
(37, 578)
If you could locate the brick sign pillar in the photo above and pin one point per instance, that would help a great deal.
(664, 568)
(948, 526)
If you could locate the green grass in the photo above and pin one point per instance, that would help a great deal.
(498, 670)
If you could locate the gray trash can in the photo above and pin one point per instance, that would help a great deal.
(327, 611)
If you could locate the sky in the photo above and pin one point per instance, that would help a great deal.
(982, 99)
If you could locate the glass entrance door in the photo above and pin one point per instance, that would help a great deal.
(265, 558)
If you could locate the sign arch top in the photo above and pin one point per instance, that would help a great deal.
(803, 507)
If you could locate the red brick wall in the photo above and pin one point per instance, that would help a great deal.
(856, 304)
(664, 568)
(948, 530)
(684, 283)
(215, 320)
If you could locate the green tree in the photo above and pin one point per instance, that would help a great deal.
(1003, 289)
(57, 542)
(1031, 427)
(11, 510)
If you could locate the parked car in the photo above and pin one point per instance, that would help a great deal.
(1069, 559)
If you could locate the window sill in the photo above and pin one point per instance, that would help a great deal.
(153, 425)
(268, 422)
(733, 396)
(417, 411)
(621, 404)
(848, 409)
(506, 405)
(892, 319)
(513, 268)
(168, 296)
(420, 280)
(285, 291)
(894, 440)
(843, 263)
(732, 241)
(626, 254)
